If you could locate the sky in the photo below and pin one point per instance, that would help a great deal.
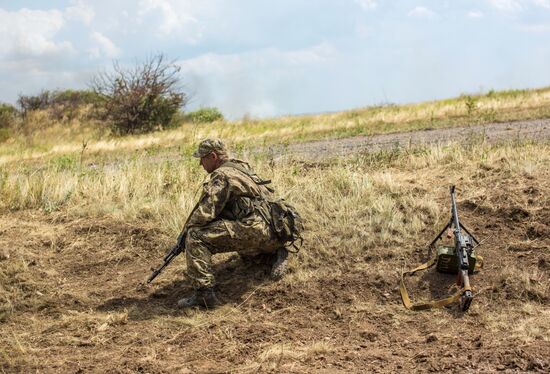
(265, 58)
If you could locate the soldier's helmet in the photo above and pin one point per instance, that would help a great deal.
(210, 145)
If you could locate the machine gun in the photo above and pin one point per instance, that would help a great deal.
(459, 259)
(463, 251)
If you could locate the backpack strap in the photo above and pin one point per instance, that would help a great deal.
(235, 164)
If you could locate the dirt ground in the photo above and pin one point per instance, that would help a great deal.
(491, 133)
(79, 303)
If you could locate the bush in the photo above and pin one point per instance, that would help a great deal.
(67, 103)
(74, 98)
(140, 99)
(8, 115)
(5, 134)
(205, 115)
(62, 104)
(29, 103)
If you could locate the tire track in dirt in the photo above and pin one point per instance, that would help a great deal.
(492, 133)
(538, 129)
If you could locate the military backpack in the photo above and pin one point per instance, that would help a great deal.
(283, 218)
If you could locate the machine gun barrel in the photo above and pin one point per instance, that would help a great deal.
(460, 240)
(461, 249)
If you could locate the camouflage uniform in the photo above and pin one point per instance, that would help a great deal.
(227, 218)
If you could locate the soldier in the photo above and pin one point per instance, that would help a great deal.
(230, 216)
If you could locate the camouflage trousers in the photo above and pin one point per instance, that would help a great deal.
(249, 237)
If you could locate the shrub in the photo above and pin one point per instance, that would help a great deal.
(75, 97)
(64, 162)
(8, 114)
(471, 105)
(61, 104)
(67, 103)
(29, 103)
(5, 134)
(140, 99)
(205, 115)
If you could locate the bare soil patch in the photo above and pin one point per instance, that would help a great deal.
(75, 302)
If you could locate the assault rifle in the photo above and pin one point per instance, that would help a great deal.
(463, 249)
(176, 250)
(173, 253)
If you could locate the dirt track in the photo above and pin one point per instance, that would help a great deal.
(494, 132)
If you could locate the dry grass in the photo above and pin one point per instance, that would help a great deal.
(77, 241)
(45, 139)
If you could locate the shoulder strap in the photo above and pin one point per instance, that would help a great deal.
(440, 303)
(237, 165)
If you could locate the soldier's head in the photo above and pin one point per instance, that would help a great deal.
(212, 153)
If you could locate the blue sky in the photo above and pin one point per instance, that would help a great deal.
(269, 58)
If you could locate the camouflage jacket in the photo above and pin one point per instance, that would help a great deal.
(229, 194)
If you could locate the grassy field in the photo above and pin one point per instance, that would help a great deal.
(41, 138)
(78, 237)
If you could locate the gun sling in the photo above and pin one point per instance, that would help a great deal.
(434, 303)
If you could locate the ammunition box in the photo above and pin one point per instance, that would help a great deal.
(448, 263)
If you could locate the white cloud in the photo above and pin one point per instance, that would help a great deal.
(80, 12)
(475, 14)
(212, 63)
(176, 17)
(31, 33)
(513, 6)
(507, 5)
(103, 46)
(422, 12)
(367, 4)
(536, 29)
(542, 3)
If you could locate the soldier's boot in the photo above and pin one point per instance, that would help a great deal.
(203, 297)
(261, 259)
(278, 269)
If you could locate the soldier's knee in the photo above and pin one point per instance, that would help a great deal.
(194, 243)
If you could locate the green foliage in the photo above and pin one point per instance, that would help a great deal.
(471, 104)
(64, 162)
(5, 134)
(74, 97)
(66, 104)
(8, 114)
(205, 115)
(60, 104)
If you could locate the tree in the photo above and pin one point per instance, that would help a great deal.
(141, 98)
